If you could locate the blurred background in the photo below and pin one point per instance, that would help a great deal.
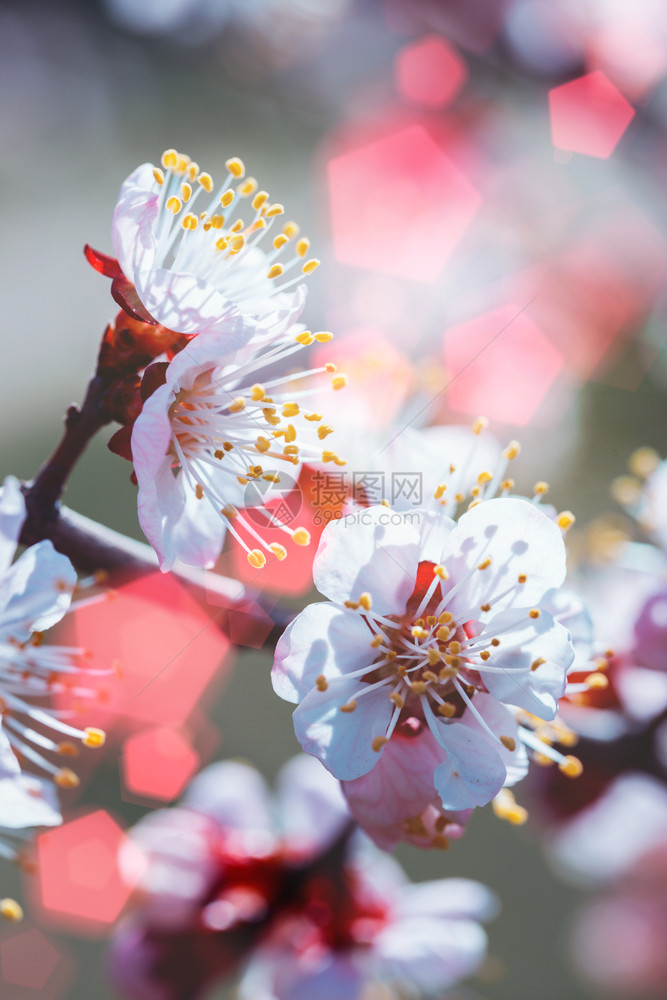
(484, 182)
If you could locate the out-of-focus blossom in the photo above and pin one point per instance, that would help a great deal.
(231, 875)
(433, 637)
(35, 593)
(212, 439)
(416, 938)
(216, 867)
(618, 940)
(197, 270)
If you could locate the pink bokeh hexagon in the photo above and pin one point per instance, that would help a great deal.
(589, 115)
(429, 71)
(158, 763)
(399, 205)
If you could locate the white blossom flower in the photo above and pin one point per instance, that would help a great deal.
(210, 432)
(197, 265)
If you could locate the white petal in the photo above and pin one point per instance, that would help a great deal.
(519, 539)
(373, 550)
(342, 740)
(472, 772)
(188, 304)
(12, 516)
(36, 591)
(311, 806)
(27, 801)
(323, 639)
(132, 231)
(501, 722)
(520, 646)
(429, 954)
(233, 794)
(449, 897)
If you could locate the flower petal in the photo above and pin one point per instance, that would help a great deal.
(12, 516)
(233, 794)
(36, 591)
(429, 954)
(449, 897)
(521, 645)
(472, 772)
(372, 550)
(501, 722)
(27, 801)
(342, 740)
(520, 540)
(321, 640)
(132, 230)
(311, 806)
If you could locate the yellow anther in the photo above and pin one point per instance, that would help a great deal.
(540, 488)
(484, 477)
(445, 618)
(339, 382)
(275, 271)
(507, 484)
(366, 601)
(229, 511)
(392, 654)
(169, 159)
(290, 409)
(215, 222)
(93, 737)
(418, 632)
(242, 480)
(305, 338)
(565, 520)
(505, 807)
(275, 209)
(257, 392)
(186, 191)
(349, 706)
(485, 654)
(65, 778)
(235, 167)
(331, 367)
(323, 337)
(459, 497)
(237, 404)
(643, 462)
(291, 449)
(571, 767)
(475, 491)
(226, 198)
(534, 613)
(379, 742)
(439, 490)
(454, 648)
(262, 444)
(485, 607)
(290, 230)
(431, 620)
(310, 266)
(509, 743)
(219, 454)
(484, 564)
(248, 187)
(222, 243)
(190, 221)
(512, 451)
(596, 681)
(442, 573)
(260, 199)
(67, 749)
(495, 642)
(301, 536)
(433, 657)
(321, 683)
(183, 163)
(447, 710)
(290, 433)
(480, 425)
(236, 243)
(174, 204)
(428, 675)
(11, 910)
(443, 634)
(271, 477)
(537, 663)
(206, 182)
(158, 175)
(256, 558)
(352, 604)
(522, 578)
(377, 640)
(323, 431)
(418, 687)
(199, 491)
(280, 241)
(397, 699)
